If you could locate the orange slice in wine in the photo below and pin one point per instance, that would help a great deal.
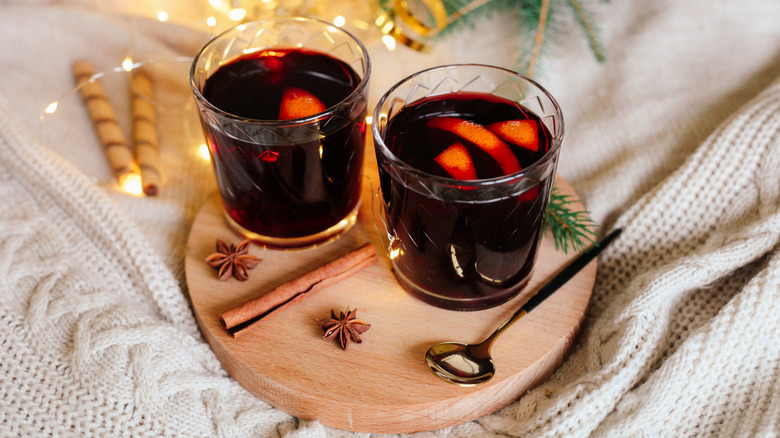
(529, 195)
(297, 103)
(457, 162)
(523, 133)
(480, 137)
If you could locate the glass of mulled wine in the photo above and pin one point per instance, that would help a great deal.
(283, 104)
(467, 155)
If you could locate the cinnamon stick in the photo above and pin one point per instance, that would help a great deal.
(118, 152)
(240, 319)
(145, 140)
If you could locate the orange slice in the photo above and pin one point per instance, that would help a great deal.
(523, 133)
(529, 195)
(480, 137)
(297, 103)
(457, 162)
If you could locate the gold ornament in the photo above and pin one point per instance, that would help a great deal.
(436, 10)
(407, 12)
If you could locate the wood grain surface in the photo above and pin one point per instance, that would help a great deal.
(383, 384)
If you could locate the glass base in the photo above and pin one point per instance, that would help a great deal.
(302, 242)
(461, 304)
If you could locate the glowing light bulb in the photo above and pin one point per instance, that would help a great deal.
(237, 14)
(131, 183)
(389, 42)
(387, 27)
(127, 64)
(211, 21)
(162, 16)
(203, 151)
(339, 21)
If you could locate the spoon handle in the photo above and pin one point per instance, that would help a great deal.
(553, 285)
(570, 270)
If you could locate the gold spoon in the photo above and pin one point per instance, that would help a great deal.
(471, 364)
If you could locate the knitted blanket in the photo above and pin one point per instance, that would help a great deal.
(682, 336)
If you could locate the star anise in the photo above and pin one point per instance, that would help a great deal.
(345, 327)
(232, 260)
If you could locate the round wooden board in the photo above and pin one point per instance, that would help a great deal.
(383, 384)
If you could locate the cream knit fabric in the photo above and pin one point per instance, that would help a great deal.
(98, 339)
(682, 337)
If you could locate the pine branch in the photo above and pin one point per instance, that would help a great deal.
(570, 228)
(538, 25)
(465, 9)
(538, 37)
(583, 18)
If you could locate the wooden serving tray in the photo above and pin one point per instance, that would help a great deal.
(383, 384)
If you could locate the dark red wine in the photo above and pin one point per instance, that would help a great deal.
(271, 183)
(468, 254)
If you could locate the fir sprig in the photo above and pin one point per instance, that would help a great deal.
(584, 18)
(540, 22)
(570, 228)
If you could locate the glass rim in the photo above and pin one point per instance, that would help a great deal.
(281, 123)
(472, 183)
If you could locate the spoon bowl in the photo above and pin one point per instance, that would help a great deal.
(458, 363)
(471, 364)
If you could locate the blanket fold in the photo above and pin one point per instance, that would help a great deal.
(683, 337)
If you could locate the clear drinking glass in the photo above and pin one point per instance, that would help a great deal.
(461, 242)
(294, 182)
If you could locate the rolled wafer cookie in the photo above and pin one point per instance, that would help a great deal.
(117, 149)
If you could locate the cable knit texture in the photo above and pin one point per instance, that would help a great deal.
(682, 337)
